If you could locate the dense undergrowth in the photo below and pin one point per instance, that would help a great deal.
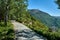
(6, 32)
(39, 27)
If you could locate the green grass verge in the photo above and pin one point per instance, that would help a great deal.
(6, 32)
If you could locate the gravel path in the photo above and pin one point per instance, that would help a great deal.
(24, 33)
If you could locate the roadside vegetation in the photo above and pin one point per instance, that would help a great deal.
(6, 32)
(9, 10)
(39, 27)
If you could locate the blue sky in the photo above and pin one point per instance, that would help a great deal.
(48, 6)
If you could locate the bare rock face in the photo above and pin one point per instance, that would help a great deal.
(24, 33)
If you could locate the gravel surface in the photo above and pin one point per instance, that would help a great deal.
(22, 32)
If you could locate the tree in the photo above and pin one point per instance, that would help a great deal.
(18, 8)
(4, 7)
(58, 2)
(12, 8)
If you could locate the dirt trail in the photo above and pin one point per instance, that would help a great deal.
(24, 33)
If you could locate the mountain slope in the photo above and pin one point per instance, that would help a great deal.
(58, 21)
(44, 18)
(38, 27)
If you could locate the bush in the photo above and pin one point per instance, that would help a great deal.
(6, 32)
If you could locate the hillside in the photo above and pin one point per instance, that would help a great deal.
(45, 18)
(37, 26)
(58, 20)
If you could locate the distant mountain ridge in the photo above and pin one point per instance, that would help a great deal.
(45, 18)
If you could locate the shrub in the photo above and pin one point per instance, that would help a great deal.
(6, 32)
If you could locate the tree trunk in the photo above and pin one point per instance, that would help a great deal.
(6, 17)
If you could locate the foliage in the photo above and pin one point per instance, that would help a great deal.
(6, 33)
(4, 10)
(58, 2)
(16, 8)
(39, 27)
(10, 9)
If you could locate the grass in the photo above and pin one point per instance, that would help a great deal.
(6, 32)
